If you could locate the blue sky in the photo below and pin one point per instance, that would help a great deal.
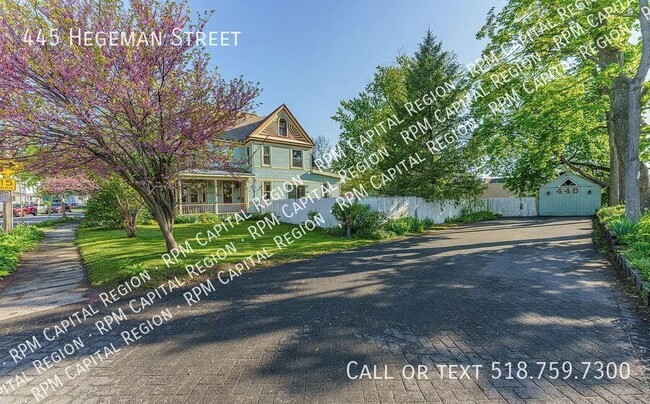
(311, 54)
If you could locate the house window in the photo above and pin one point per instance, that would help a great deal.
(266, 155)
(248, 155)
(296, 192)
(194, 192)
(296, 158)
(301, 191)
(291, 192)
(266, 192)
(228, 191)
(282, 127)
(327, 190)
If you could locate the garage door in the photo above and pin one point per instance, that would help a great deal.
(569, 195)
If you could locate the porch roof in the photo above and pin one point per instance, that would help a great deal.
(217, 174)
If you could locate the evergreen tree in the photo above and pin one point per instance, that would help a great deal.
(416, 103)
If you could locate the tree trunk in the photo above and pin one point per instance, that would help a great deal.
(130, 226)
(160, 200)
(619, 116)
(130, 221)
(632, 190)
(644, 188)
(129, 216)
(166, 225)
(62, 206)
(613, 188)
(632, 184)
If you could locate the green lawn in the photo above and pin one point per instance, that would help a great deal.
(111, 257)
(12, 246)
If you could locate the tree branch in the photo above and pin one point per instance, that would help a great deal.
(582, 172)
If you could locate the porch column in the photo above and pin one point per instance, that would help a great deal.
(216, 196)
(180, 197)
(245, 184)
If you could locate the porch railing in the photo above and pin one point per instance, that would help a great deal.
(230, 207)
(197, 208)
(220, 208)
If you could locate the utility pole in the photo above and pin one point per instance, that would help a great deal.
(8, 214)
(7, 186)
(20, 198)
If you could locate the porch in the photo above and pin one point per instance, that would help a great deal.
(212, 196)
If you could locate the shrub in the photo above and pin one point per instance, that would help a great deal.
(356, 216)
(416, 225)
(473, 217)
(611, 213)
(625, 230)
(634, 236)
(186, 219)
(376, 234)
(399, 226)
(115, 205)
(102, 210)
(146, 217)
(312, 214)
(428, 223)
(13, 244)
(261, 216)
(52, 222)
(209, 218)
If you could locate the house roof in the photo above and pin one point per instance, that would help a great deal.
(243, 129)
(575, 178)
(249, 125)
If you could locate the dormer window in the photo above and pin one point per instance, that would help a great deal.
(282, 127)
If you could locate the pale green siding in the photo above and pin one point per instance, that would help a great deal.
(280, 156)
(581, 199)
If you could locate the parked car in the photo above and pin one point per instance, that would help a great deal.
(56, 208)
(40, 208)
(25, 210)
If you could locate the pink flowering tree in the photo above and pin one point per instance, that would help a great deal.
(66, 186)
(144, 110)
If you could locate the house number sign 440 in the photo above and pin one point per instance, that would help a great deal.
(567, 190)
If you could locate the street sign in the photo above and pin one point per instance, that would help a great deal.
(4, 197)
(8, 167)
(7, 184)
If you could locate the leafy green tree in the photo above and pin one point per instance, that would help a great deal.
(557, 127)
(115, 205)
(359, 115)
(582, 63)
(424, 96)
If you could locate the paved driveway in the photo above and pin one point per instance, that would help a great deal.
(508, 291)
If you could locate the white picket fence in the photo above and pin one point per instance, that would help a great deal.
(512, 207)
(292, 211)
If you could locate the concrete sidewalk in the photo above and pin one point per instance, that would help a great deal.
(47, 277)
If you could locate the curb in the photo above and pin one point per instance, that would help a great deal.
(642, 286)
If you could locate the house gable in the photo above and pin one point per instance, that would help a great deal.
(268, 130)
(573, 178)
